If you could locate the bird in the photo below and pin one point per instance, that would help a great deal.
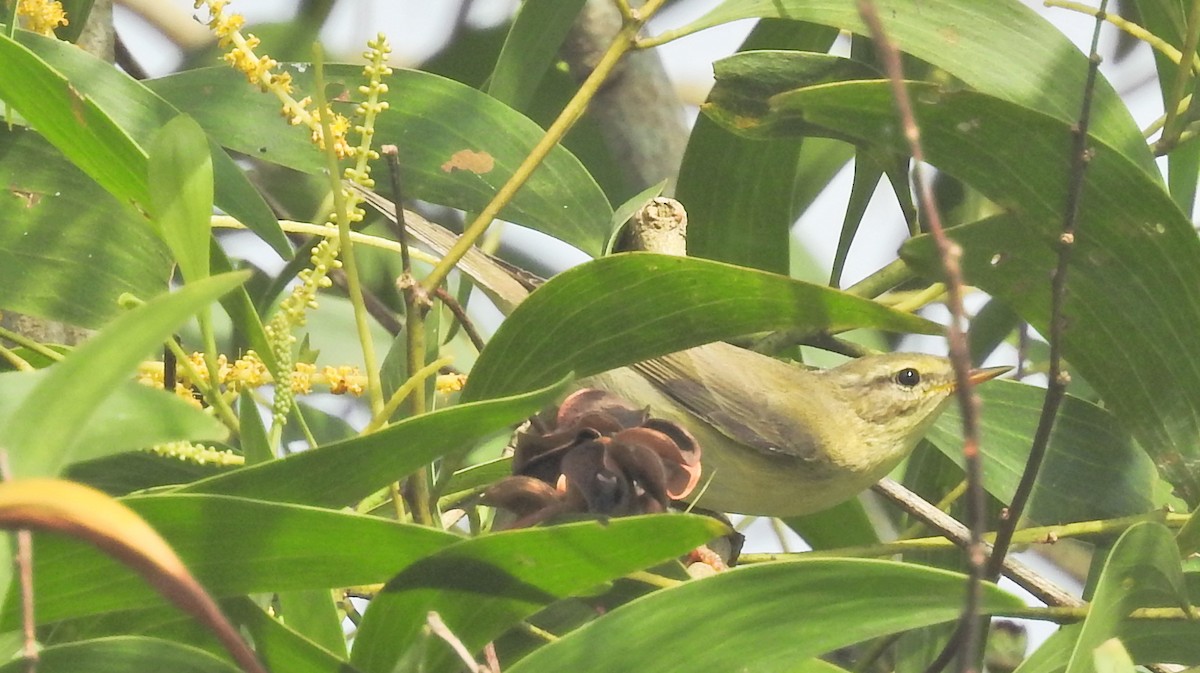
(781, 439)
(778, 438)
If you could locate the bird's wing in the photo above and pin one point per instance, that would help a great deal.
(711, 383)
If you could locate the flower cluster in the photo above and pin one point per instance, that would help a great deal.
(42, 16)
(198, 454)
(261, 70)
(375, 70)
(249, 372)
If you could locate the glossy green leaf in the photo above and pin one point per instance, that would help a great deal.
(124, 473)
(73, 123)
(1167, 21)
(311, 613)
(530, 48)
(457, 145)
(842, 602)
(123, 654)
(140, 114)
(740, 192)
(78, 12)
(337, 475)
(1148, 642)
(483, 586)
(846, 524)
(627, 210)
(232, 546)
(132, 416)
(74, 389)
(1093, 469)
(967, 40)
(280, 647)
(181, 192)
(1128, 319)
(68, 248)
(625, 308)
(1142, 570)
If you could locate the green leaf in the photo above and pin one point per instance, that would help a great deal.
(846, 524)
(466, 144)
(530, 48)
(78, 12)
(967, 40)
(627, 210)
(140, 114)
(341, 474)
(625, 308)
(181, 191)
(280, 647)
(1142, 570)
(1128, 322)
(122, 654)
(1092, 470)
(132, 416)
(124, 473)
(75, 388)
(233, 546)
(73, 123)
(740, 192)
(1148, 641)
(68, 248)
(839, 602)
(482, 586)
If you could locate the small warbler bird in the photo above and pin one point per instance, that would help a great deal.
(777, 439)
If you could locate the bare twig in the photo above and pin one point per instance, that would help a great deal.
(949, 252)
(24, 562)
(624, 41)
(438, 627)
(416, 306)
(959, 534)
(460, 314)
(378, 310)
(1056, 388)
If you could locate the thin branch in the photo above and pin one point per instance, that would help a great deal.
(571, 113)
(1056, 388)
(1183, 75)
(32, 344)
(416, 306)
(24, 563)
(376, 308)
(438, 627)
(961, 536)
(460, 314)
(342, 209)
(949, 253)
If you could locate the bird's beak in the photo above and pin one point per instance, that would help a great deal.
(977, 376)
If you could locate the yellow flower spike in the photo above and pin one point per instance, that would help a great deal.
(185, 393)
(198, 454)
(344, 379)
(260, 70)
(302, 378)
(42, 16)
(450, 383)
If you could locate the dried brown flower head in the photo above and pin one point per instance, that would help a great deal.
(597, 454)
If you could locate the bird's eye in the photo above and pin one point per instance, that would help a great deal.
(908, 377)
